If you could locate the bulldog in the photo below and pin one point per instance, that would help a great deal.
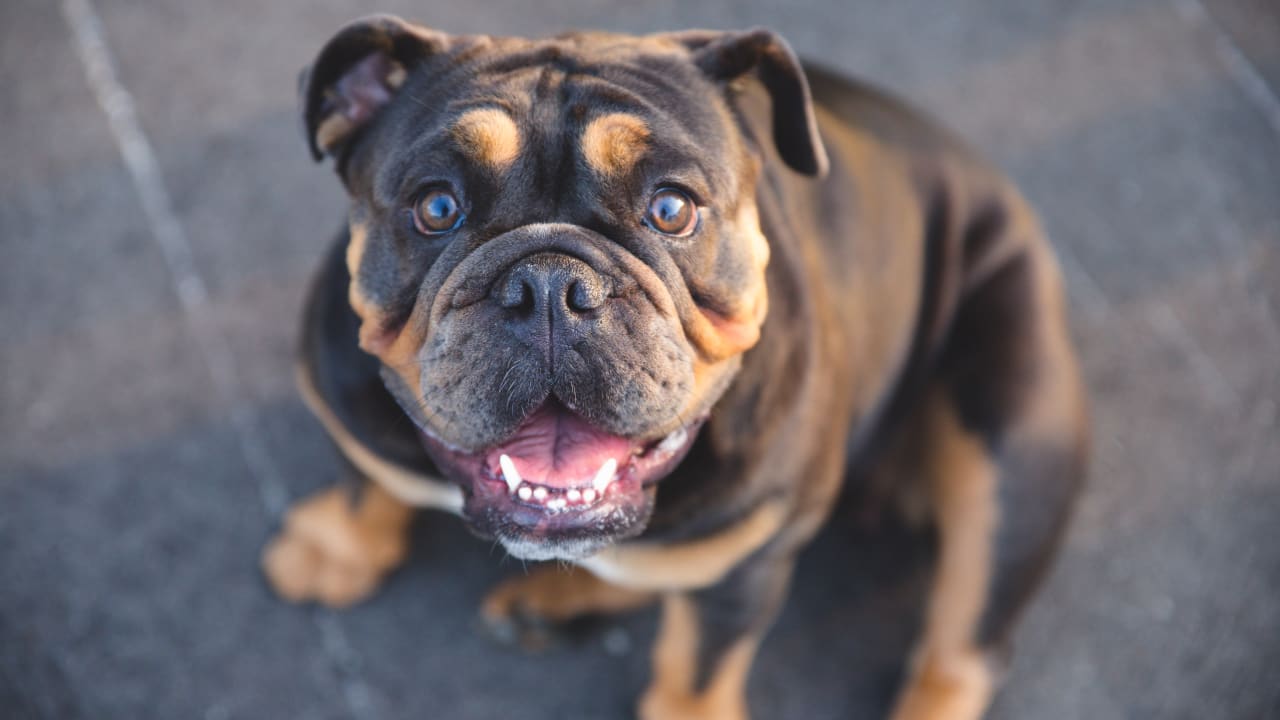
(646, 306)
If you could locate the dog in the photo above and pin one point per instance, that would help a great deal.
(645, 305)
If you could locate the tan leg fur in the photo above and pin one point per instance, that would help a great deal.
(671, 694)
(336, 552)
(950, 679)
(558, 594)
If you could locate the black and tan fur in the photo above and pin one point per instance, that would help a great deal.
(869, 302)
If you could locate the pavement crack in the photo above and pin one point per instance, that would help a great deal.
(1243, 73)
(166, 229)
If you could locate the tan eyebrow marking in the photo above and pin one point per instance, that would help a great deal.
(613, 143)
(490, 134)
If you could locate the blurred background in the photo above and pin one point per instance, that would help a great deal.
(159, 218)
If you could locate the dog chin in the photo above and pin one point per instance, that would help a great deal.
(539, 549)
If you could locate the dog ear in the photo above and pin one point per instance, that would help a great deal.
(726, 56)
(356, 73)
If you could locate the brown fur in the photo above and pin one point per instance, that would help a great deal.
(332, 131)
(612, 144)
(375, 335)
(408, 486)
(688, 565)
(673, 693)
(958, 686)
(490, 135)
(950, 681)
(334, 552)
(557, 594)
(903, 316)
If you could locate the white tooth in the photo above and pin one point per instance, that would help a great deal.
(509, 472)
(556, 504)
(525, 493)
(573, 495)
(540, 493)
(589, 495)
(605, 475)
(672, 442)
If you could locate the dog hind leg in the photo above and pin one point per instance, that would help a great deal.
(1003, 448)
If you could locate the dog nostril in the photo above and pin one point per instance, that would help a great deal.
(546, 286)
(518, 295)
(578, 298)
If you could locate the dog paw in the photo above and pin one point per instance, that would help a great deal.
(957, 688)
(329, 554)
(529, 611)
(661, 705)
(521, 628)
(551, 603)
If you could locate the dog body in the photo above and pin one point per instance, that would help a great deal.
(732, 285)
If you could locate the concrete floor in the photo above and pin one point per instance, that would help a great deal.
(150, 434)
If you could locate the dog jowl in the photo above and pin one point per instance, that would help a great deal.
(648, 304)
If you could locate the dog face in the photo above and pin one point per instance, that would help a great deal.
(555, 252)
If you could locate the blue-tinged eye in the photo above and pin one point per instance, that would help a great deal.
(437, 212)
(671, 212)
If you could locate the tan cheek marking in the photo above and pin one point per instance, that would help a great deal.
(717, 336)
(374, 335)
(490, 135)
(748, 223)
(396, 346)
(613, 143)
(691, 565)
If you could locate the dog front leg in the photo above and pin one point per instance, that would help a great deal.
(337, 545)
(708, 640)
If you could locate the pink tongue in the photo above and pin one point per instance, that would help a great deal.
(557, 448)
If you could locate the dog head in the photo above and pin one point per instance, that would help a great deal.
(554, 252)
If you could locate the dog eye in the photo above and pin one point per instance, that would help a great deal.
(437, 212)
(671, 212)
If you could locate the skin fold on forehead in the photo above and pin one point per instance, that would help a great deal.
(564, 98)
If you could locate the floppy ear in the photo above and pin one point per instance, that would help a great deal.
(356, 73)
(725, 56)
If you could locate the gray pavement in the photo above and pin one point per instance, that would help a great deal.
(149, 431)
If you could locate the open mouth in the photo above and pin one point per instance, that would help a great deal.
(558, 475)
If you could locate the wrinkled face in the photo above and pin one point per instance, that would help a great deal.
(556, 257)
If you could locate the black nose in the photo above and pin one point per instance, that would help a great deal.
(551, 290)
